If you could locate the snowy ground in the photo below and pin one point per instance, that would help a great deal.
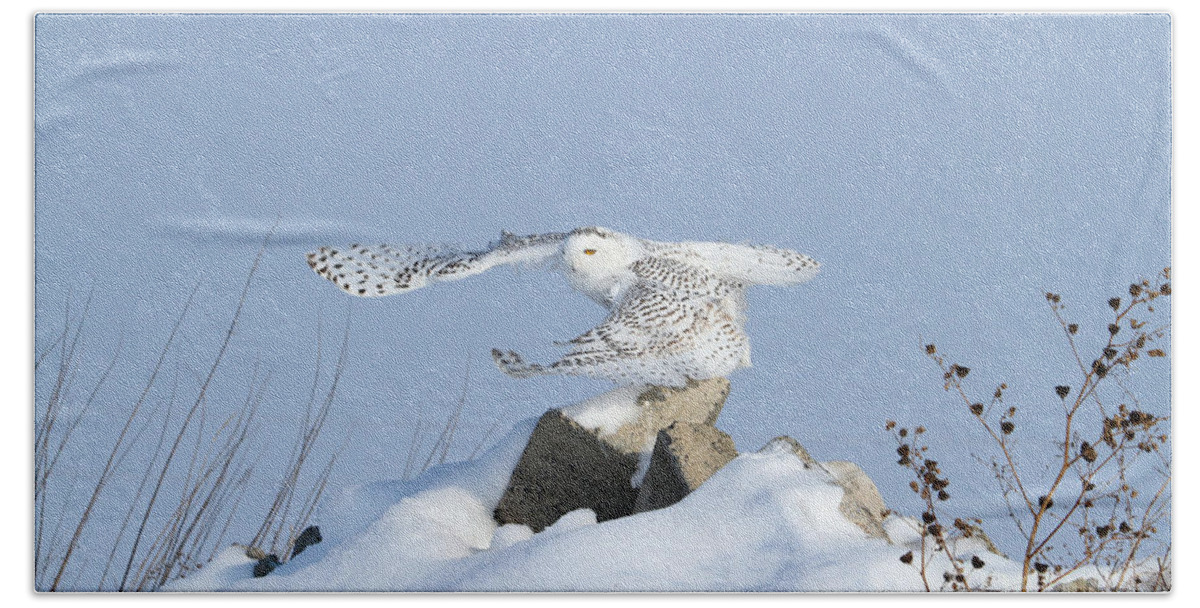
(762, 523)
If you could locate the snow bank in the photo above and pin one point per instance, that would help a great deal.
(762, 523)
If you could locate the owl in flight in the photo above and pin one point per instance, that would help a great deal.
(675, 310)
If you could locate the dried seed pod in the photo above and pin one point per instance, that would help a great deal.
(1062, 391)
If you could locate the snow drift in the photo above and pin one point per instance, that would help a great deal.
(764, 522)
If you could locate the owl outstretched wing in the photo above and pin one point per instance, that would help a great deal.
(382, 270)
(747, 264)
(657, 334)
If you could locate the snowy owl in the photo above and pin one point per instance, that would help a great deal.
(676, 310)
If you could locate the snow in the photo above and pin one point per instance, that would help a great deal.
(764, 522)
(607, 411)
(510, 534)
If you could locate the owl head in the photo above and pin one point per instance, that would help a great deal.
(598, 254)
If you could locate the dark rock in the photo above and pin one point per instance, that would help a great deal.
(566, 467)
(310, 536)
(266, 565)
(685, 455)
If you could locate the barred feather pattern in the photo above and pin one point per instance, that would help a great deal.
(676, 310)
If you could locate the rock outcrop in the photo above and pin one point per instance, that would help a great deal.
(566, 466)
(685, 455)
(861, 502)
(699, 402)
(671, 433)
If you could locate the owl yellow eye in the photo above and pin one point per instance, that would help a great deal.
(589, 252)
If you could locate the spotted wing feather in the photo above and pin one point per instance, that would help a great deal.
(381, 270)
(658, 334)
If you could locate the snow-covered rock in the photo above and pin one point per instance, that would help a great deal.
(861, 503)
(658, 407)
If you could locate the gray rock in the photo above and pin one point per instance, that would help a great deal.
(974, 531)
(566, 467)
(700, 402)
(783, 441)
(685, 455)
(861, 502)
(1079, 585)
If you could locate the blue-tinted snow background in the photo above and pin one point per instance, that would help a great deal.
(947, 170)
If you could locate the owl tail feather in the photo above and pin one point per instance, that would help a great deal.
(512, 364)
